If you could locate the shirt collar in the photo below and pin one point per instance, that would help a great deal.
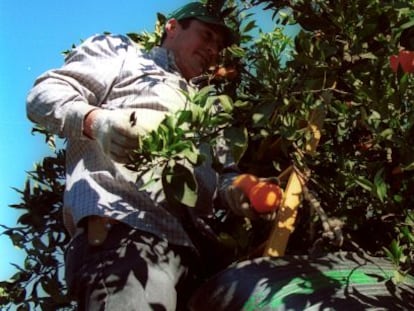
(166, 60)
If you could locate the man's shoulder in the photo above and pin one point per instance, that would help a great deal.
(108, 45)
(117, 41)
(104, 45)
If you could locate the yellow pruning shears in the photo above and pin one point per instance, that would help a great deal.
(285, 221)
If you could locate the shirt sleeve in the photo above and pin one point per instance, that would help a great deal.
(60, 98)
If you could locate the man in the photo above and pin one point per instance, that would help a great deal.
(128, 252)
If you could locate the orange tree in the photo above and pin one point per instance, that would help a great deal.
(361, 174)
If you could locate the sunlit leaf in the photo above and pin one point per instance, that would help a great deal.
(238, 138)
(226, 102)
(179, 184)
(364, 183)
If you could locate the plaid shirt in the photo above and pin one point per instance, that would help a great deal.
(112, 72)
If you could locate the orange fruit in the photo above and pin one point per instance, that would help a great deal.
(265, 197)
(394, 61)
(406, 59)
(245, 182)
(226, 72)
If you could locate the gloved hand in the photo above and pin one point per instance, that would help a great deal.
(116, 131)
(120, 131)
(239, 203)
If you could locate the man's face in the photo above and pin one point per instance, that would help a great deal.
(195, 48)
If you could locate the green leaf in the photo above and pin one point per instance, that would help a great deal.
(404, 82)
(398, 198)
(192, 155)
(406, 232)
(380, 185)
(262, 113)
(38, 244)
(409, 167)
(236, 51)
(238, 139)
(364, 183)
(184, 116)
(179, 184)
(369, 55)
(197, 114)
(226, 102)
(201, 96)
(408, 24)
(387, 133)
(50, 286)
(249, 26)
(396, 251)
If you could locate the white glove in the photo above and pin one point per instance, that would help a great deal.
(116, 132)
(120, 131)
(239, 204)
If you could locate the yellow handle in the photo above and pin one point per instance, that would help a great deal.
(285, 221)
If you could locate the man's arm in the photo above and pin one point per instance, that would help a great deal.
(61, 98)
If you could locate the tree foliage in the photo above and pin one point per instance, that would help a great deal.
(40, 233)
(361, 174)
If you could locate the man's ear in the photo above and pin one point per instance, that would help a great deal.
(171, 26)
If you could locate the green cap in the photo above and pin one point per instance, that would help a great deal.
(203, 13)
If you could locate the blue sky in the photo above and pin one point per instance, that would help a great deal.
(33, 35)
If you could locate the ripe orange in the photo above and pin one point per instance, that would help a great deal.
(225, 73)
(245, 182)
(265, 197)
(406, 59)
(394, 61)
